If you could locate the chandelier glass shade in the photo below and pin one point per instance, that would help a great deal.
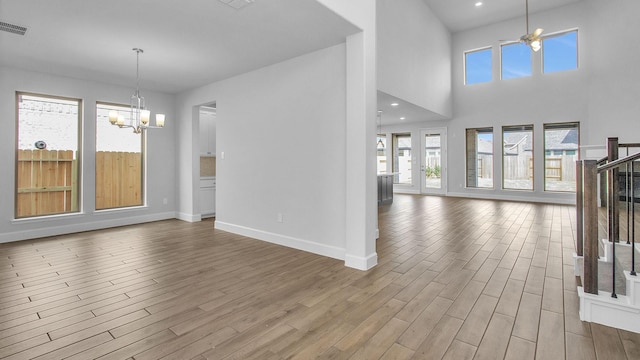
(140, 114)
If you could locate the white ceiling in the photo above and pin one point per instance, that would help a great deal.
(197, 42)
(186, 43)
(403, 112)
(459, 15)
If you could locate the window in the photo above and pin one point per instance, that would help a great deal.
(561, 142)
(477, 66)
(517, 157)
(560, 52)
(47, 156)
(480, 158)
(516, 60)
(119, 161)
(402, 158)
(381, 150)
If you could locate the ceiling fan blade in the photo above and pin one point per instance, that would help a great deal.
(537, 32)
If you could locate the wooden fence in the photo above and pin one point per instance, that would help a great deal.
(48, 181)
(118, 179)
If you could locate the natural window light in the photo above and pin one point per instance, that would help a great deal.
(47, 173)
(517, 157)
(381, 150)
(119, 161)
(477, 66)
(480, 158)
(516, 61)
(560, 52)
(561, 142)
(402, 159)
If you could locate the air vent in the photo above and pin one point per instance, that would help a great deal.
(15, 29)
(237, 4)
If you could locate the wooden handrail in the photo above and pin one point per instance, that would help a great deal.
(602, 161)
(634, 145)
(617, 163)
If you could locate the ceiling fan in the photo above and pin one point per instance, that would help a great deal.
(531, 39)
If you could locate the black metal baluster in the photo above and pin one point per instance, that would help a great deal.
(613, 194)
(633, 221)
(626, 195)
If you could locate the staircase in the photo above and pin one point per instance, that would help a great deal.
(606, 250)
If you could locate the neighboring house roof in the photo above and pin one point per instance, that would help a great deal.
(561, 139)
(566, 139)
(485, 146)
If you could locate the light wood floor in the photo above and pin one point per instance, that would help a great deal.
(456, 279)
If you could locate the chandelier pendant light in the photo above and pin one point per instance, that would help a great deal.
(139, 118)
(380, 144)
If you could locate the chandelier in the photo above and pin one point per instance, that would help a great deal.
(139, 119)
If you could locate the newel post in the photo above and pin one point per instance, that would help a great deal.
(590, 191)
(579, 209)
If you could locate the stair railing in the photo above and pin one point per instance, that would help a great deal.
(587, 244)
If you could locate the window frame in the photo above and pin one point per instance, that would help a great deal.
(75, 208)
(557, 126)
(515, 43)
(143, 158)
(464, 64)
(395, 167)
(558, 34)
(468, 157)
(522, 128)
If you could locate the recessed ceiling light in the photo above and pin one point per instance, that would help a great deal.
(402, 118)
(394, 104)
(479, 3)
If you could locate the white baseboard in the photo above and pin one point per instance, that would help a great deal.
(406, 191)
(605, 310)
(361, 263)
(300, 244)
(189, 217)
(494, 196)
(82, 226)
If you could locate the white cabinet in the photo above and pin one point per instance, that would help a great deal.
(207, 133)
(207, 197)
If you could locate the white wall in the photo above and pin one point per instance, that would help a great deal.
(282, 132)
(161, 149)
(414, 55)
(615, 81)
(539, 99)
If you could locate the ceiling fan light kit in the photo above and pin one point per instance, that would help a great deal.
(532, 40)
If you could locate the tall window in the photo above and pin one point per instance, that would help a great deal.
(477, 66)
(47, 156)
(480, 158)
(517, 157)
(560, 52)
(516, 61)
(381, 150)
(561, 144)
(119, 161)
(402, 158)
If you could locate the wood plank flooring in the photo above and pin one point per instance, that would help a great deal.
(456, 279)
